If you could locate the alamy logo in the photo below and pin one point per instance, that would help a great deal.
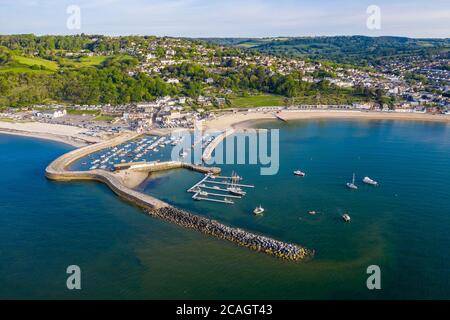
(74, 280)
(374, 280)
(374, 19)
(252, 146)
(74, 20)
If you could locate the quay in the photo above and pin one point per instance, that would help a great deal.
(215, 143)
(163, 166)
(58, 171)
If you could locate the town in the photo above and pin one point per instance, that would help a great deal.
(193, 80)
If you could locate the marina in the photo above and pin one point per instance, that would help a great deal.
(145, 148)
(233, 189)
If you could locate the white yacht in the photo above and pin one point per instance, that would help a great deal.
(346, 218)
(369, 181)
(352, 184)
(259, 210)
(299, 173)
(236, 191)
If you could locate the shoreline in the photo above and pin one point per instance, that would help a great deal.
(69, 135)
(243, 120)
(41, 136)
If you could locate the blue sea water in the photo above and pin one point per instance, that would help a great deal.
(402, 225)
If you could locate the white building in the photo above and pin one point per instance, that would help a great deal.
(50, 114)
(173, 81)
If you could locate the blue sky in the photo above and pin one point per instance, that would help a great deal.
(230, 18)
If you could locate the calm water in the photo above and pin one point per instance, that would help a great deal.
(400, 226)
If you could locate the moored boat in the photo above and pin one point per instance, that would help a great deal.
(369, 181)
(352, 184)
(299, 173)
(236, 191)
(258, 210)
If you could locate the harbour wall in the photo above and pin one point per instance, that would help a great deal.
(169, 165)
(58, 171)
(213, 145)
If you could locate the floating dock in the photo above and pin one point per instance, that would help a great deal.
(225, 197)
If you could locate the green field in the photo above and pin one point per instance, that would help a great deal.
(257, 101)
(28, 61)
(81, 112)
(86, 61)
(22, 64)
(104, 118)
(93, 61)
(22, 69)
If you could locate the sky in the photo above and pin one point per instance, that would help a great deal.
(228, 18)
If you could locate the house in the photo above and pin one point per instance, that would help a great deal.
(173, 81)
(50, 114)
(171, 52)
(362, 106)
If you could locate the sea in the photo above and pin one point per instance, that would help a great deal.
(401, 226)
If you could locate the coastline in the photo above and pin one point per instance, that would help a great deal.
(69, 135)
(242, 120)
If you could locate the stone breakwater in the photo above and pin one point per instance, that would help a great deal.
(241, 237)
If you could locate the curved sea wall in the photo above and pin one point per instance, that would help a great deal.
(58, 171)
(215, 143)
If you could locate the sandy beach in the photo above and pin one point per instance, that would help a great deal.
(61, 133)
(75, 136)
(247, 119)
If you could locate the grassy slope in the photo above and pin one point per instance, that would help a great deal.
(257, 101)
(28, 61)
(22, 64)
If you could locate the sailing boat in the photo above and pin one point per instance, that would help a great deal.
(352, 184)
(235, 177)
(235, 190)
(259, 211)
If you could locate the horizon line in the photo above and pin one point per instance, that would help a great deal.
(222, 37)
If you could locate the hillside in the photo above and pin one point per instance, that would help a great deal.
(342, 49)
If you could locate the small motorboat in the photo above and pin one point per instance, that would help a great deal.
(299, 173)
(258, 210)
(369, 181)
(346, 218)
(312, 212)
